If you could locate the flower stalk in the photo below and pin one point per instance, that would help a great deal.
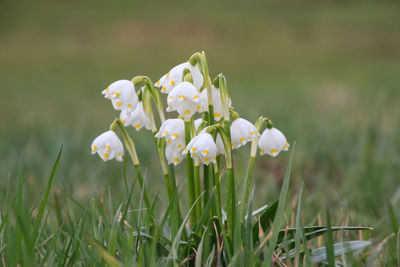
(190, 174)
(130, 146)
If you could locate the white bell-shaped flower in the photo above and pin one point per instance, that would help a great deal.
(175, 77)
(173, 152)
(272, 141)
(108, 146)
(137, 118)
(217, 103)
(242, 131)
(184, 99)
(203, 148)
(173, 130)
(218, 141)
(122, 95)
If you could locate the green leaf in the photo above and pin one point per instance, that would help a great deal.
(299, 228)
(319, 255)
(329, 240)
(103, 253)
(45, 198)
(279, 213)
(265, 221)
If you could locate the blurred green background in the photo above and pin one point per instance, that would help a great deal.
(326, 72)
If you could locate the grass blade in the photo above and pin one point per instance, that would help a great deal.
(279, 213)
(299, 228)
(329, 240)
(45, 198)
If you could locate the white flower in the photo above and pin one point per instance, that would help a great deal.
(184, 99)
(219, 143)
(175, 77)
(108, 146)
(122, 95)
(173, 152)
(202, 147)
(272, 141)
(242, 131)
(217, 103)
(137, 118)
(172, 130)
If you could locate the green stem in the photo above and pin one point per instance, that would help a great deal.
(248, 187)
(206, 183)
(130, 146)
(171, 171)
(141, 183)
(197, 189)
(231, 202)
(218, 194)
(189, 165)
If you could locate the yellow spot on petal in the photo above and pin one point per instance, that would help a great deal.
(123, 121)
(172, 82)
(163, 88)
(169, 141)
(179, 146)
(107, 148)
(286, 145)
(168, 75)
(116, 94)
(273, 151)
(170, 97)
(214, 159)
(195, 97)
(118, 104)
(182, 97)
(94, 147)
(198, 107)
(233, 144)
(137, 126)
(206, 160)
(205, 151)
(119, 154)
(252, 133)
(129, 105)
(166, 132)
(262, 150)
(187, 112)
(185, 149)
(176, 160)
(107, 89)
(175, 135)
(105, 155)
(158, 82)
(193, 149)
(242, 139)
(193, 154)
(217, 115)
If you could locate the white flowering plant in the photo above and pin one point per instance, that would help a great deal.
(219, 228)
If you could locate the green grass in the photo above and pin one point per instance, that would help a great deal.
(325, 73)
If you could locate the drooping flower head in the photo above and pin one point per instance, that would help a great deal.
(137, 118)
(108, 146)
(203, 148)
(173, 152)
(242, 131)
(122, 95)
(172, 130)
(184, 99)
(175, 77)
(217, 103)
(272, 141)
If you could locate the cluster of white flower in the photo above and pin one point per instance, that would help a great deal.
(187, 97)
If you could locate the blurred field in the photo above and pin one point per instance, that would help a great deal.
(327, 73)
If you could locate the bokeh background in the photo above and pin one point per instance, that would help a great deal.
(326, 72)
